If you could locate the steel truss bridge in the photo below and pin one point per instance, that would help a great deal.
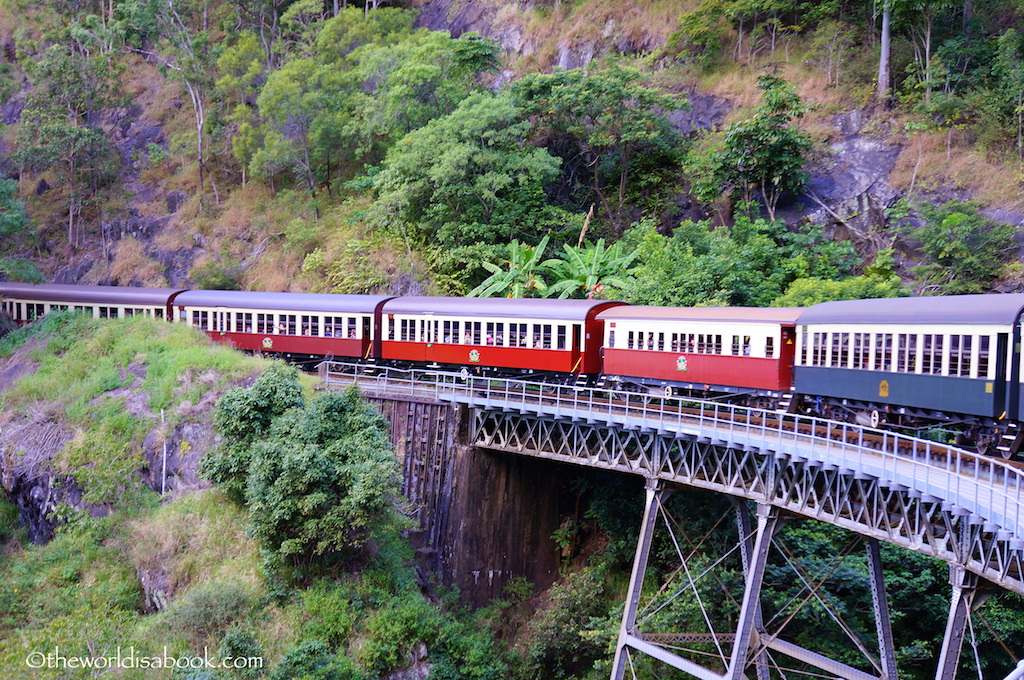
(934, 499)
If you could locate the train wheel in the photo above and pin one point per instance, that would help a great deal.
(875, 418)
(668, 391)
(464, 374)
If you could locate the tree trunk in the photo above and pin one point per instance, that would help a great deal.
(884, 76)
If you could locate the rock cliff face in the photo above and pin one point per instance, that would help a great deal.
(32, 440)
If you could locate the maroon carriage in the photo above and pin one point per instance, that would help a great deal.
(705, 349)
(522, 335)
(25, 302)
(289, 323)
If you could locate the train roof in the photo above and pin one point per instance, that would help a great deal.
(529, 308)
(289, 302)
(995, 309)
(779, 315)
(111, 295)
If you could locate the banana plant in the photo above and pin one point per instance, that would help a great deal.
(586, 271)
(519, 277)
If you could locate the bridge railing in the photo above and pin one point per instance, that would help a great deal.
(987, 487)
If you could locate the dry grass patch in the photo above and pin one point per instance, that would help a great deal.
(929, 163)
(131, 266)
(196, 539)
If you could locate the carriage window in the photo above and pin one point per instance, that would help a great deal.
(931, 354)
(286, 324)
(611, 339)
(561, 338)
(736, 345)
(834, 357)
(158, 313)
(769, 348)
(746, 345)
(805, 350)
(391, 328)
(406, 330)
(983, 349)
(473, 334)
(446, 331)
(630, 341)
(243, 322)
(265, 323)
(517, 335)
(965, 355)
(901, 353)
(489, 337)
(844, 349)
(311, 325)
(105, 312)
(859, 352)
(546, 335)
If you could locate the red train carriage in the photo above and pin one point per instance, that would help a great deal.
(289, 323)
(26, 302)
(560, 336)
(716, 349)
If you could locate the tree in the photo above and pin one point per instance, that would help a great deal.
(604, 123)
(763, 155)
(967, 251)
(319, 477)
(13, 216)
(520, 277)
(885, 55)
(465, 177)
(586, 272)
(187, 54)
(1009, 69)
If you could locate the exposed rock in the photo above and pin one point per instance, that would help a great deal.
(156, 588)
(851, 186)
(706, 111)
(174, 200)
(42, 187)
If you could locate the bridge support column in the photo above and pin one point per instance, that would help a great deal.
(747, 540)
(966, 598)
(883, 624)
(750, 608)
(655, 495)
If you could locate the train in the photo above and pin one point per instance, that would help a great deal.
(947, 363)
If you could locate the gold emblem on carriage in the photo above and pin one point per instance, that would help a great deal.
(681, 364)
(474, 356)
(883, 388)
(268, 343)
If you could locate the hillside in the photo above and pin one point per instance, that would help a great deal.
(296, 146)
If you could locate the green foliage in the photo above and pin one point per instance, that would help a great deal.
(763, 155)
(564, 641)
(319, 477)
(467, 176)
(967, 251)
(19, 269)
(217, 274)
(13, 217)
(609, 127)
(312, 660)
(209, 609)
(750, 265)
(805, 292)
(585, 272)
(519, 278)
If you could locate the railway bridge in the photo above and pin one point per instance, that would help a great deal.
(934, 499)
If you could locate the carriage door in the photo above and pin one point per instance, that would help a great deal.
(428, 335)
(577, 349)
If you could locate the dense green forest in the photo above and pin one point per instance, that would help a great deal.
(325, 147)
